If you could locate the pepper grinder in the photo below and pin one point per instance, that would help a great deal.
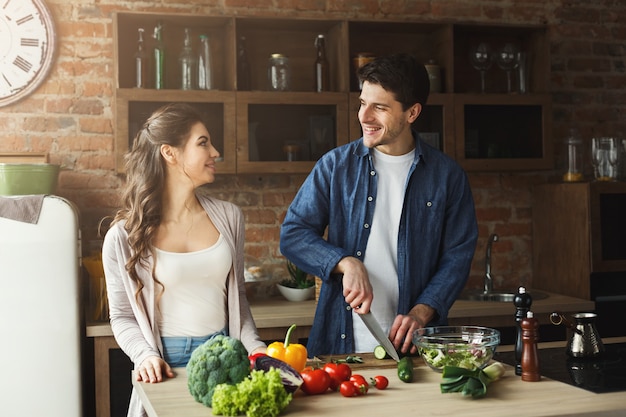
(522, 301)
(530, 357)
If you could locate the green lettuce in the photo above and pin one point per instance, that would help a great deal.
(260, 395)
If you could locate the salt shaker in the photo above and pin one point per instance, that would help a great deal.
(530, 357)
(522, 301)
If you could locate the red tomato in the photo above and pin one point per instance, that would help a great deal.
(380, 381)
(338, 372)
(360, 383)
(347, 389)
(315, 381)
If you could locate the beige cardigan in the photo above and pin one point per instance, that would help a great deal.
(134, 324)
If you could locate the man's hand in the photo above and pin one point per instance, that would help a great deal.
(357, 289)
(403, 327)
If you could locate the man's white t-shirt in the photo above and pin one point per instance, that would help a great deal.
(382, 246)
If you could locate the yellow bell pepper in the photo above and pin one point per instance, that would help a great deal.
(293, 354)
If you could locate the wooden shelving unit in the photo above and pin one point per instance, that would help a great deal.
(483, 132)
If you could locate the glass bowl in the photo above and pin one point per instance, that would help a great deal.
(469, 347)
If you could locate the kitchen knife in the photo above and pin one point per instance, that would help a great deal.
(372, 325)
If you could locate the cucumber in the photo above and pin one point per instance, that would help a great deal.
(405, 369)
(380, 352)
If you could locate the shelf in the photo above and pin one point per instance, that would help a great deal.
(220, 31)
(496, 133)
(250, 126)
(133, 107)
(531, 40)
(294, 38)
(426, 41)
(267, 122)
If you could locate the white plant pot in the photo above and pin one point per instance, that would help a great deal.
(296, 294)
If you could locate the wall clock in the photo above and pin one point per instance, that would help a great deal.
(27, 49)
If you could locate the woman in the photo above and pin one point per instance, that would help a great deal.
(173, 257)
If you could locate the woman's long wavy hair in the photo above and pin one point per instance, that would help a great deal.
(145, 178)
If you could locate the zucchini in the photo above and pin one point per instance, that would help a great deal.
(405, 369)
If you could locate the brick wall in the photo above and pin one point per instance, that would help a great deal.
(71, 115)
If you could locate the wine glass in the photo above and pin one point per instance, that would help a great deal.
(508, 59)
(481, 58)
(604, 158)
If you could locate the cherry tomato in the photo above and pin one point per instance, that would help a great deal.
(347, 389)
(315, 381)
(360, 383)
(338, 372)
(253, 359)
(380, 381)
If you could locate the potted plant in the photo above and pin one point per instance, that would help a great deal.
(298, 287)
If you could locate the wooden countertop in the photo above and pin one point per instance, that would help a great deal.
(277, 313)
(508, 396)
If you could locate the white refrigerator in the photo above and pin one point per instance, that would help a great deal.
(40, 326)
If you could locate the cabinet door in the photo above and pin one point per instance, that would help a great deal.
(217, 109)
(495, 133)
(287, 132)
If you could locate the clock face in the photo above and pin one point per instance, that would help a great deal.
(27, 47)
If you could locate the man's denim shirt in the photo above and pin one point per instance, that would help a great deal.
(436, 239)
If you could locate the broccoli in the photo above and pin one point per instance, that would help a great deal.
(220, 360)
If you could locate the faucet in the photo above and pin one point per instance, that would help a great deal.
(488, 279)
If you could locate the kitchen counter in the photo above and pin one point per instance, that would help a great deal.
(496, 314)
(274, 316)
(508, 396)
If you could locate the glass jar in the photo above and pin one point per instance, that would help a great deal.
(359, 60)
(573, 157)
(434, 75)
(279, 73)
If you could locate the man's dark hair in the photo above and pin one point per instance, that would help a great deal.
(400, 74)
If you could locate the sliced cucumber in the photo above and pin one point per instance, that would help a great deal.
(380, 352)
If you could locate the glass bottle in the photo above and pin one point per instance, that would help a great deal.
(573, 157)
(321, 65)
(279, 73)
(205, 75)
(243, 66)
(141, 62)
(187, 64)
(158, 57)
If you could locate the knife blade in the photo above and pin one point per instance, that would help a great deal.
(372, 325)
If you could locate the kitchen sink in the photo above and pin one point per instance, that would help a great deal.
(497, 296)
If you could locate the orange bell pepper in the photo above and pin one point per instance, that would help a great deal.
(294, 354)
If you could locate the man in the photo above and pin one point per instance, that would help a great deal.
(400, 220)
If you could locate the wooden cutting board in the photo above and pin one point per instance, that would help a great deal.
(369, 361)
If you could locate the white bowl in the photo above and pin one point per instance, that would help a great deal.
(296, 294)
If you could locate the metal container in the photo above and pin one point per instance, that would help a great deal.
(25, 179)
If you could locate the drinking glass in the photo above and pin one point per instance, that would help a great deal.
(604, 158)
(508, 59)
(481, 58)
